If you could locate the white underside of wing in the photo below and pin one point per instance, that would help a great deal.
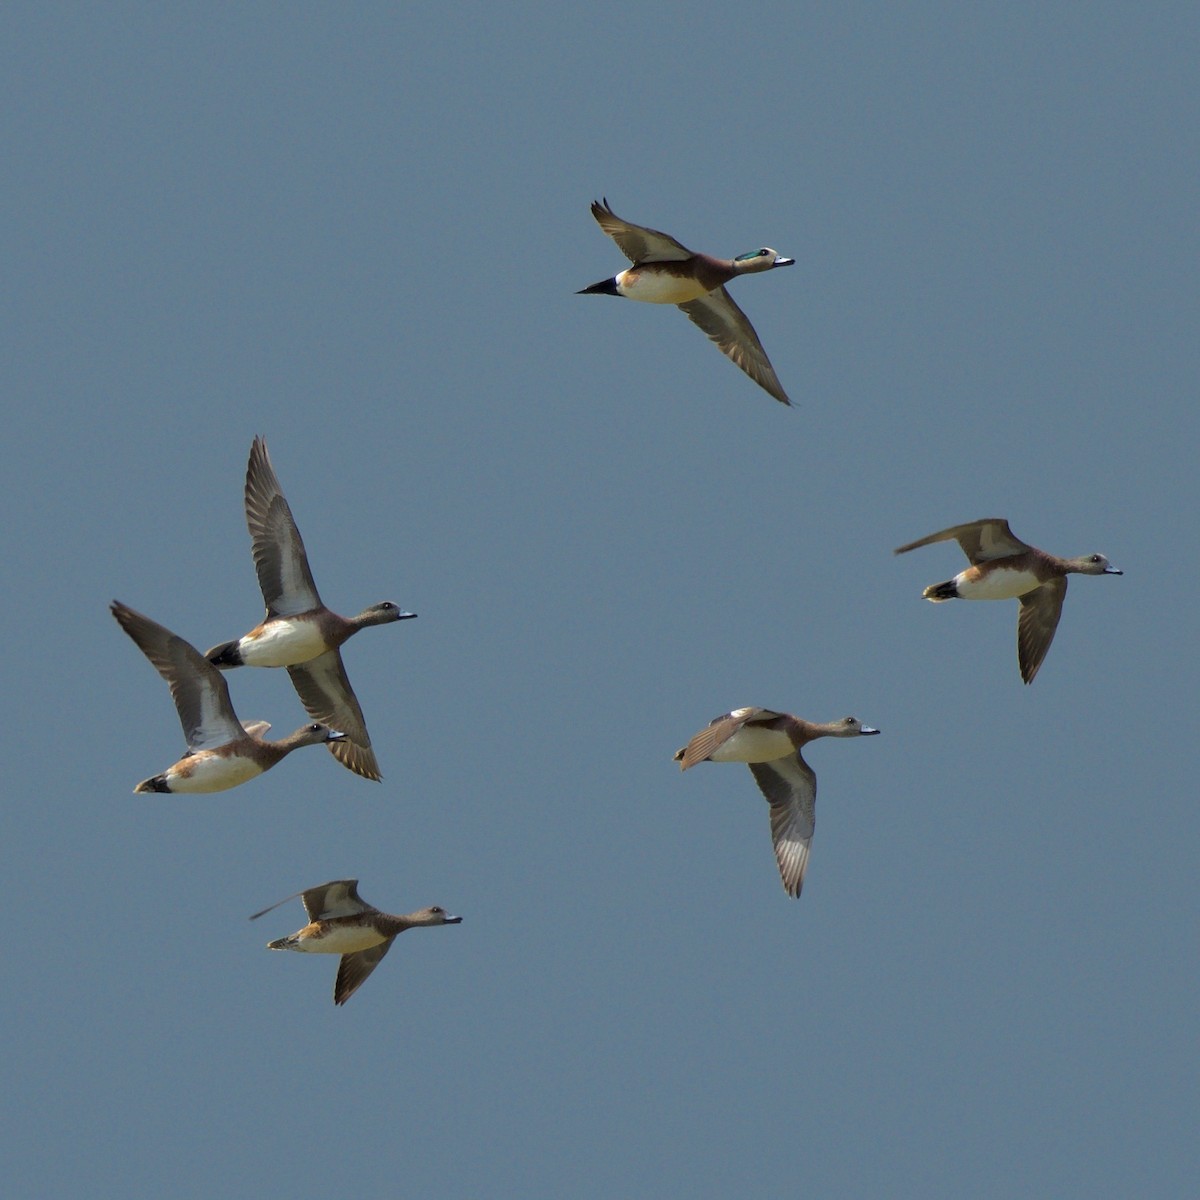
(217, 725)
(792, 834)
(338, 902)
(296, 596)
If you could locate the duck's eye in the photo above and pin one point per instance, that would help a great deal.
(1095, 558)
(851, 720)
(763, 253)
(314, 728)
(437, 910)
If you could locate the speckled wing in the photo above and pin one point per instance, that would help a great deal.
(1040, 611)
(727, 326)
(636, 242)
(717, 732)
(199, 690)
(283, 573)
(981, 541)
(791, 789)
(326, 693)
(354, 969)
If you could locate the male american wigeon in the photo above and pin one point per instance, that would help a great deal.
(299, 632)
(340, 922)
(221, 751)
(1004, 568)
(665, 272)
(770, 744)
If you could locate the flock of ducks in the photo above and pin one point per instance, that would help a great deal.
(301, 634)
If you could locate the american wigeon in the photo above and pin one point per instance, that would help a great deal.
(299, 632)
(1004, 568)
(341, 922)
(770, 744)
(665, 272)
(221, 751)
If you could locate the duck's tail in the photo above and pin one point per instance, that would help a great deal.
(938, 592)
(606, 287)
(157, 783)
(225, 655)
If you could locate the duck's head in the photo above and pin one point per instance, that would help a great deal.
(851, 727)
(1094, 564)
(760, 260)
(382, 614)
(433, 916)
(316, 733)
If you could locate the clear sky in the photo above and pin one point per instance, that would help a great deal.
(358, 230)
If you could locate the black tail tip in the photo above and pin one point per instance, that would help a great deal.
(225, 655)
(942, 591)
(156, 784)
(606, 287)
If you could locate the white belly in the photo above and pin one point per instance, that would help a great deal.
(209, 772)
(283, 642)
(341, 939)
(753, 743)
(658, 288)
(997, 584)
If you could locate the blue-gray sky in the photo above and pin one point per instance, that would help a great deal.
(358, 231)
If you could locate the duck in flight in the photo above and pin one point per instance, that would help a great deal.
(666, 272)
(341, 922)
(770, 743)
(1004, 568)
(221, 751)
(299, 632)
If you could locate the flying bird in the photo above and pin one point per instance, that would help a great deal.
(341, 922)
(221, 751)
(666, 272)
(770, 743)
(299, 632)
(1004, 568)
